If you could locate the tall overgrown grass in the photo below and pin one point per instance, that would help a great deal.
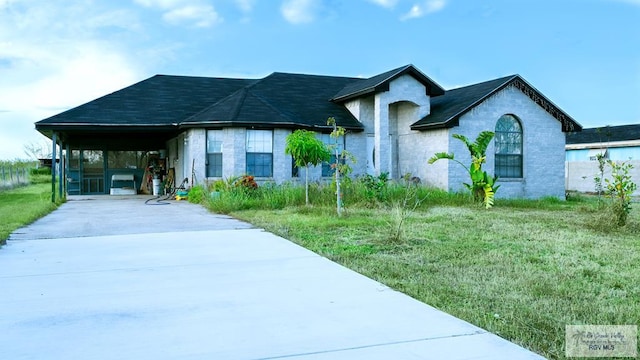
(356, 194)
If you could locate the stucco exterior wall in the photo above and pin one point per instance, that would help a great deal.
(543, 146)
(282, 163)
(410, 157)
(194, 160)
(356, 144)
(233, 152)
(405, 89)
(423, 145)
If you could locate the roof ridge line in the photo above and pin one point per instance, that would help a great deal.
(394, 72)
(509, 77)
(236, 111)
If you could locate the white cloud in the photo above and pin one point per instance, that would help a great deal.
(424, 8)
(199, 15)
(299, 11)
(245, 5)
(177, 12)
(385, 3)
(51, 59)
(162, 4)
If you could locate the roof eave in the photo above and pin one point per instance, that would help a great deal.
(452, 122)
(263, 125)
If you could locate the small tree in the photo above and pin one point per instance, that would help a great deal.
(619, 188)
(598, 179)
(306, 150)
(482, 185)
(340, 166)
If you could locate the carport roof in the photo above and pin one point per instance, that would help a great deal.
(161, 100)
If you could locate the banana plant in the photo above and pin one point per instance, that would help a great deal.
(483, 187)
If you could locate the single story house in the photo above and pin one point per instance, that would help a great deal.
(617, 143)
(205, 128)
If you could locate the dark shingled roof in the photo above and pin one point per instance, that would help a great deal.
(605, 134)
(446, 110)
(161, 100)
(281, 100)
(170, 102)
(381, 82)
(164, 104)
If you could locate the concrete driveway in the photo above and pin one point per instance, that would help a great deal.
(113, 278)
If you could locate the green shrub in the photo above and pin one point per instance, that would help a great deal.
(375, 187)
(619, 188)
(40, 171)
(197, 194)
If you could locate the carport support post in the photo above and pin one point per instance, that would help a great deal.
(61, 173)
(53, 164)
(67, 157)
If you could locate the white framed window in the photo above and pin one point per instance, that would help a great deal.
(508, 141)
(214, 153)
(260, 153)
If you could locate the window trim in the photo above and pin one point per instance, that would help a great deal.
(247, 152)
(220, 153)
(520, 166)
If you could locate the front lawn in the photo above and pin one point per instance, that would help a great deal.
(522, 270)
(24, 205)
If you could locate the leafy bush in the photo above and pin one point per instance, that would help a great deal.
(246, 182)
(483, 187)
(619, 189)
(196, 194)
(40, 171)
(375, 186)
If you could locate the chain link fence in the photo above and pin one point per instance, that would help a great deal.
(13, 176)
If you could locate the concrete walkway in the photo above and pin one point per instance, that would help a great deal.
(116, 279)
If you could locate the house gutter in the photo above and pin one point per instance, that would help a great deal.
(285, 125)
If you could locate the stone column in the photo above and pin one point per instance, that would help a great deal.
(381, 134)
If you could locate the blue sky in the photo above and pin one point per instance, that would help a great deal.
(582, 54)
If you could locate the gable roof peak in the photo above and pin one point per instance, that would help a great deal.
(447, 110)
(380, 82)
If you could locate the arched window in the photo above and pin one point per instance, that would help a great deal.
(508, 147)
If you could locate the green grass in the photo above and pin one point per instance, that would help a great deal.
(523, 269)
(22, 206)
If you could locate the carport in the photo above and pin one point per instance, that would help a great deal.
(115, 134)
